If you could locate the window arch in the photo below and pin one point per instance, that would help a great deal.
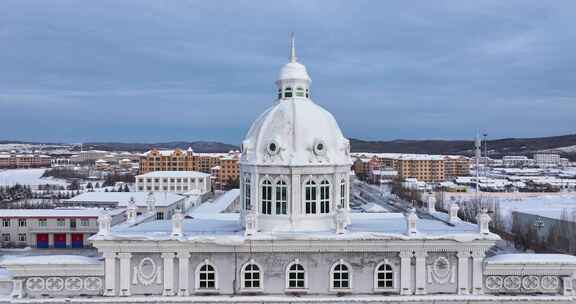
(325, 196)
(384, 276)
(266, 197)
(251, 276)
(310, 197)
(341, 276)
(343, 193)
(295, 276)
(206, 276)
(281, 197)
(247, 194)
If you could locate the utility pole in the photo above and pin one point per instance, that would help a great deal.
(485, 154)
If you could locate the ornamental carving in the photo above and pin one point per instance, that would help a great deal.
(54, 284)
(494, 282)
(530, 282)
(549, 282)
(73, 283)
(147, 272)
(441, 271)
(35, 284)
(512, 282)
(93, 283)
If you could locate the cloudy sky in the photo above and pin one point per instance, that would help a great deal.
(153, 70)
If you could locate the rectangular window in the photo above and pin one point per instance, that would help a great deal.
(60, 222)
(159, 215)
(5, 237)
(5, 222)
(21, 222)
(281, 198)
(310, 199)
(84, 222)
(247, 195)
(324, 198)
(266, 198)
(342, 194)
(22, 237)
(42, 222)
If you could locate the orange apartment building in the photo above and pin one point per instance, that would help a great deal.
(24, 160)
(222, 166)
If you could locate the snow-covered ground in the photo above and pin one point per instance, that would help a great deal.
(30, 177)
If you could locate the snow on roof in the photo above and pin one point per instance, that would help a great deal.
(372, 207)
(9, 260)
(163, 199)
(531, 258)
(225, 228)
(174, 174)
(406, 156)
(59, 212)
(219, 204)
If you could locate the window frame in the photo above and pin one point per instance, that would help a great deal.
(310, 199)
(260, 279)
(266, 197)
(377, 271)
(324, 196)
(287, 279)
(197, 281)
(280, 197)
(349, 273)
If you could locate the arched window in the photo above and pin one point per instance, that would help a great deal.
(295, 276)
(343, 193)
(325, 196)
(299, 92)
(310, 197)
(206, 276)
(266, 197)
(281, 197)
(247, 203)
(288, 92)
(340, 276)
(384, 276)
(251, 277)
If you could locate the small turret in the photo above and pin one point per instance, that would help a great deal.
(104, 224)
(411, 219)
(177, 224)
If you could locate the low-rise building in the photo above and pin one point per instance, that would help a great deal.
(183, 182)
(165, 203)
(547, 160)
(51, 228)
(14, 160)
(517, 161)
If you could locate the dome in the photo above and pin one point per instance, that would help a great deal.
(295, 132)
(293, 71)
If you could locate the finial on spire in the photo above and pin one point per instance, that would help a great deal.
(292, 48)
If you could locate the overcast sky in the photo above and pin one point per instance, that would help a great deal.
(153, 70)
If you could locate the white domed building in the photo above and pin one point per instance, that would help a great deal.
(295, 161)
(294, 239)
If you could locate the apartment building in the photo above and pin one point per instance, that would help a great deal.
(14, 160)
(455, 165)
(225, 164)
(183, 182)
(51, 228)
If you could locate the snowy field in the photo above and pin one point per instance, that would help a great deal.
(30, 177)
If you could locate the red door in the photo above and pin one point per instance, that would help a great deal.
(77, 240)
(60, 240)
(42, 240)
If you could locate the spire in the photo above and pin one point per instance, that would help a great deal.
(292, 48)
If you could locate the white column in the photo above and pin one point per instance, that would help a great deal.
(477, 275)
(109, 273)
(420, 287)
(183, 273)
(295, 200)
(125, 273)
(168, 273)
(463, 258)
(405, 271)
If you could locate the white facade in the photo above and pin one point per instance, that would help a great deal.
(547, 160)
(183, 182)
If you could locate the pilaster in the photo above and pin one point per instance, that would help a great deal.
(477, 272)
(463, 276)
(183, 273)
(420, 284)
(110, 273)
(405, 271)
(168, 258)
(125, 273)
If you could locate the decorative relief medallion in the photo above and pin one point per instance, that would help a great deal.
(73, 283)
(512, 282)
(530, 282)
(93, 283)
(147, 272)
(441, 271)
(494, 282)
(549, 282)
(54, 284)
(35, 284)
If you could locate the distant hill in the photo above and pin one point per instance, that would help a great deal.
(197, 146)
(564, 144)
